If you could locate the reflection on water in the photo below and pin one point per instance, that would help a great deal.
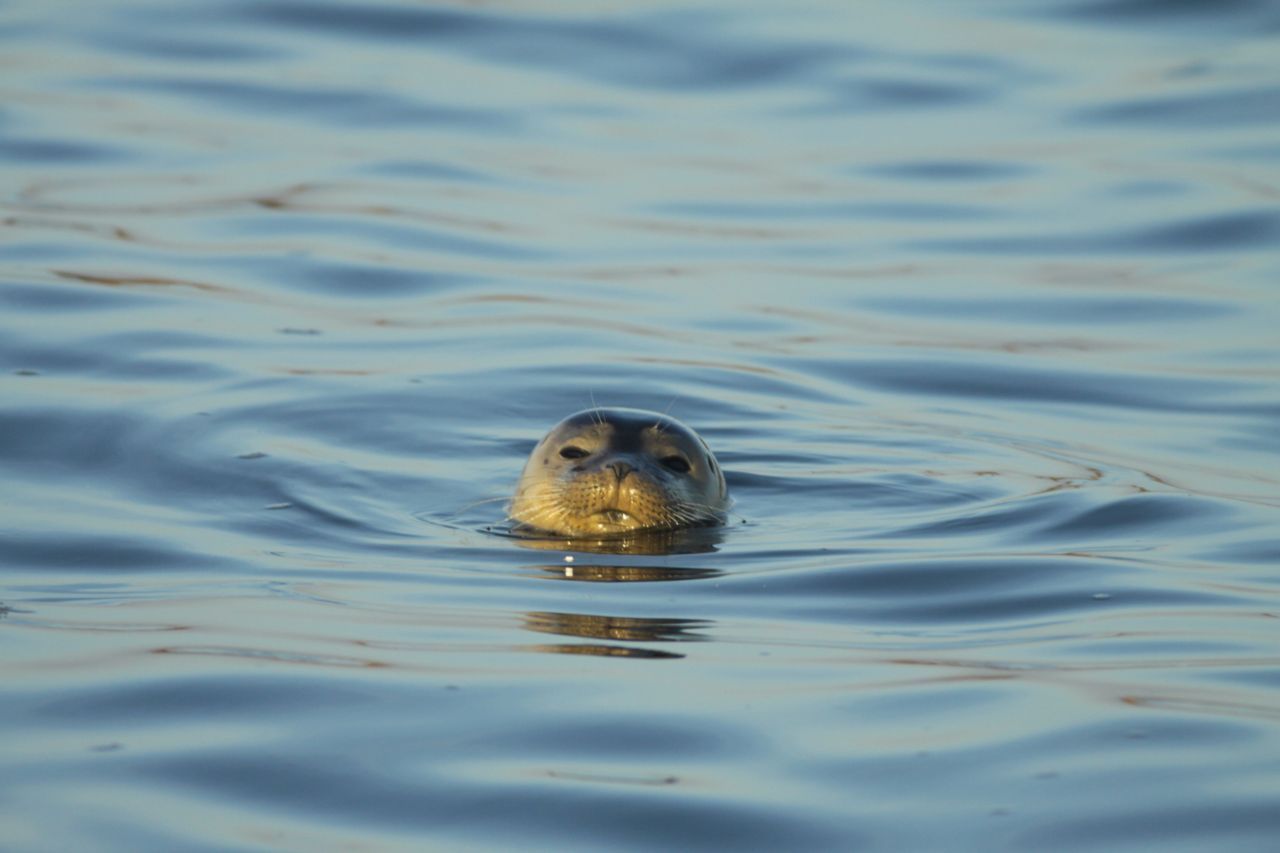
(608, 651)
(616, 629)
(628, 628)
(975, 302)
(690, 540)
(594, 573)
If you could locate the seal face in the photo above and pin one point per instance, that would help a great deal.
(609, 472)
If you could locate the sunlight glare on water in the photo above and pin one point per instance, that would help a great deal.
(974, 301)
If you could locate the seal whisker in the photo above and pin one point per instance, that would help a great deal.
(595, 408)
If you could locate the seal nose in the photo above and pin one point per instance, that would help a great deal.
(621, 469)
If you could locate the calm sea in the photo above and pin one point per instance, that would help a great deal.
(976, 301)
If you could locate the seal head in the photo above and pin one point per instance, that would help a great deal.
(610, 472)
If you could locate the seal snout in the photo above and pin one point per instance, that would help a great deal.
(620, 468)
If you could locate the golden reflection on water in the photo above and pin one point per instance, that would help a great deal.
(622, 628)
(627, 628)
(606, 651)
(659, 543)
(625, 574)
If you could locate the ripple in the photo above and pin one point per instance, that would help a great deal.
(1211, 110)
(950, 170)
(352, 280)
(1203, 15)
(1248, 823)
(1053, 310)
(427, 170)
(59, 151)
(232, 697)
(183, 49)
(381, 234)
(1142, 516)
(1257, 230)
(974, 379)
(341, 107)
(972, 592)
(654, 52)
(98, 554)
(832, 211)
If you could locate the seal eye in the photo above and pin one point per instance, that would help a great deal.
(676, 463)
(573, 452)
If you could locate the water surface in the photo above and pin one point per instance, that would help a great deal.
(976, 303)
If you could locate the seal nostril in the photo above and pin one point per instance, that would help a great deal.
(621, 469)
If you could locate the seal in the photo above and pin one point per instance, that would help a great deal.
(612, 472)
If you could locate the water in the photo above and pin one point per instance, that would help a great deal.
(975, 301)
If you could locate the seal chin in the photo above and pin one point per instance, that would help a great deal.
(615, 519)
(605, 522)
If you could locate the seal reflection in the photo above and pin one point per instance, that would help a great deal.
(626, 574)
(620, 629)
(658, 544)
(614, 629)
(652, 543)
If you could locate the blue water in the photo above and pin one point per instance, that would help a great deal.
(975, 301)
